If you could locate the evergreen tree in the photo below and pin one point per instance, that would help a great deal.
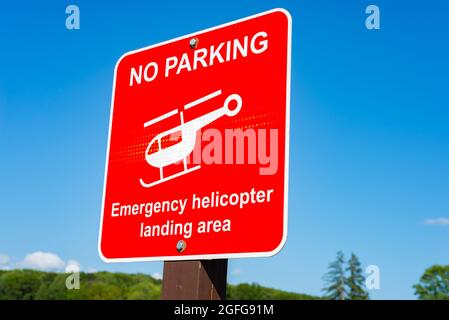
(356, 280)
(335, 279)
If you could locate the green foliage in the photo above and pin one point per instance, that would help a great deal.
(145, 290)
(433, 284)
(29, 284)
(19, 285)
(254, 291)
(356, 280)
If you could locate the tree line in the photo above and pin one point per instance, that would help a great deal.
(38, 285)
(344, 281)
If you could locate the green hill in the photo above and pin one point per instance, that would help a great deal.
(37, 285)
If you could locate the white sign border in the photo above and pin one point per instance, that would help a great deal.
(287, 145)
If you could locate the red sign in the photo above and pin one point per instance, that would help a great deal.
(197, 162)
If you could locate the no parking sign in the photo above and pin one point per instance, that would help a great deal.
(197, 162)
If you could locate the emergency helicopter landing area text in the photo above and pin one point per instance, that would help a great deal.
(181, 150)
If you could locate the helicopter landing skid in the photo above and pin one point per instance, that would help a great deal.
(152, 184)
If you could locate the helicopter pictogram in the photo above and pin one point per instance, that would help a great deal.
(181, 150)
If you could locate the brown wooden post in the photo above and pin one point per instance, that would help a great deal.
(195, 280)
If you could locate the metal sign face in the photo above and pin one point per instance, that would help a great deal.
(197, 162)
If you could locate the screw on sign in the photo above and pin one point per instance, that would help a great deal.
(197, 161)
(194, 43)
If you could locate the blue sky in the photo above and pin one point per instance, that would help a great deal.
(369, 134)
